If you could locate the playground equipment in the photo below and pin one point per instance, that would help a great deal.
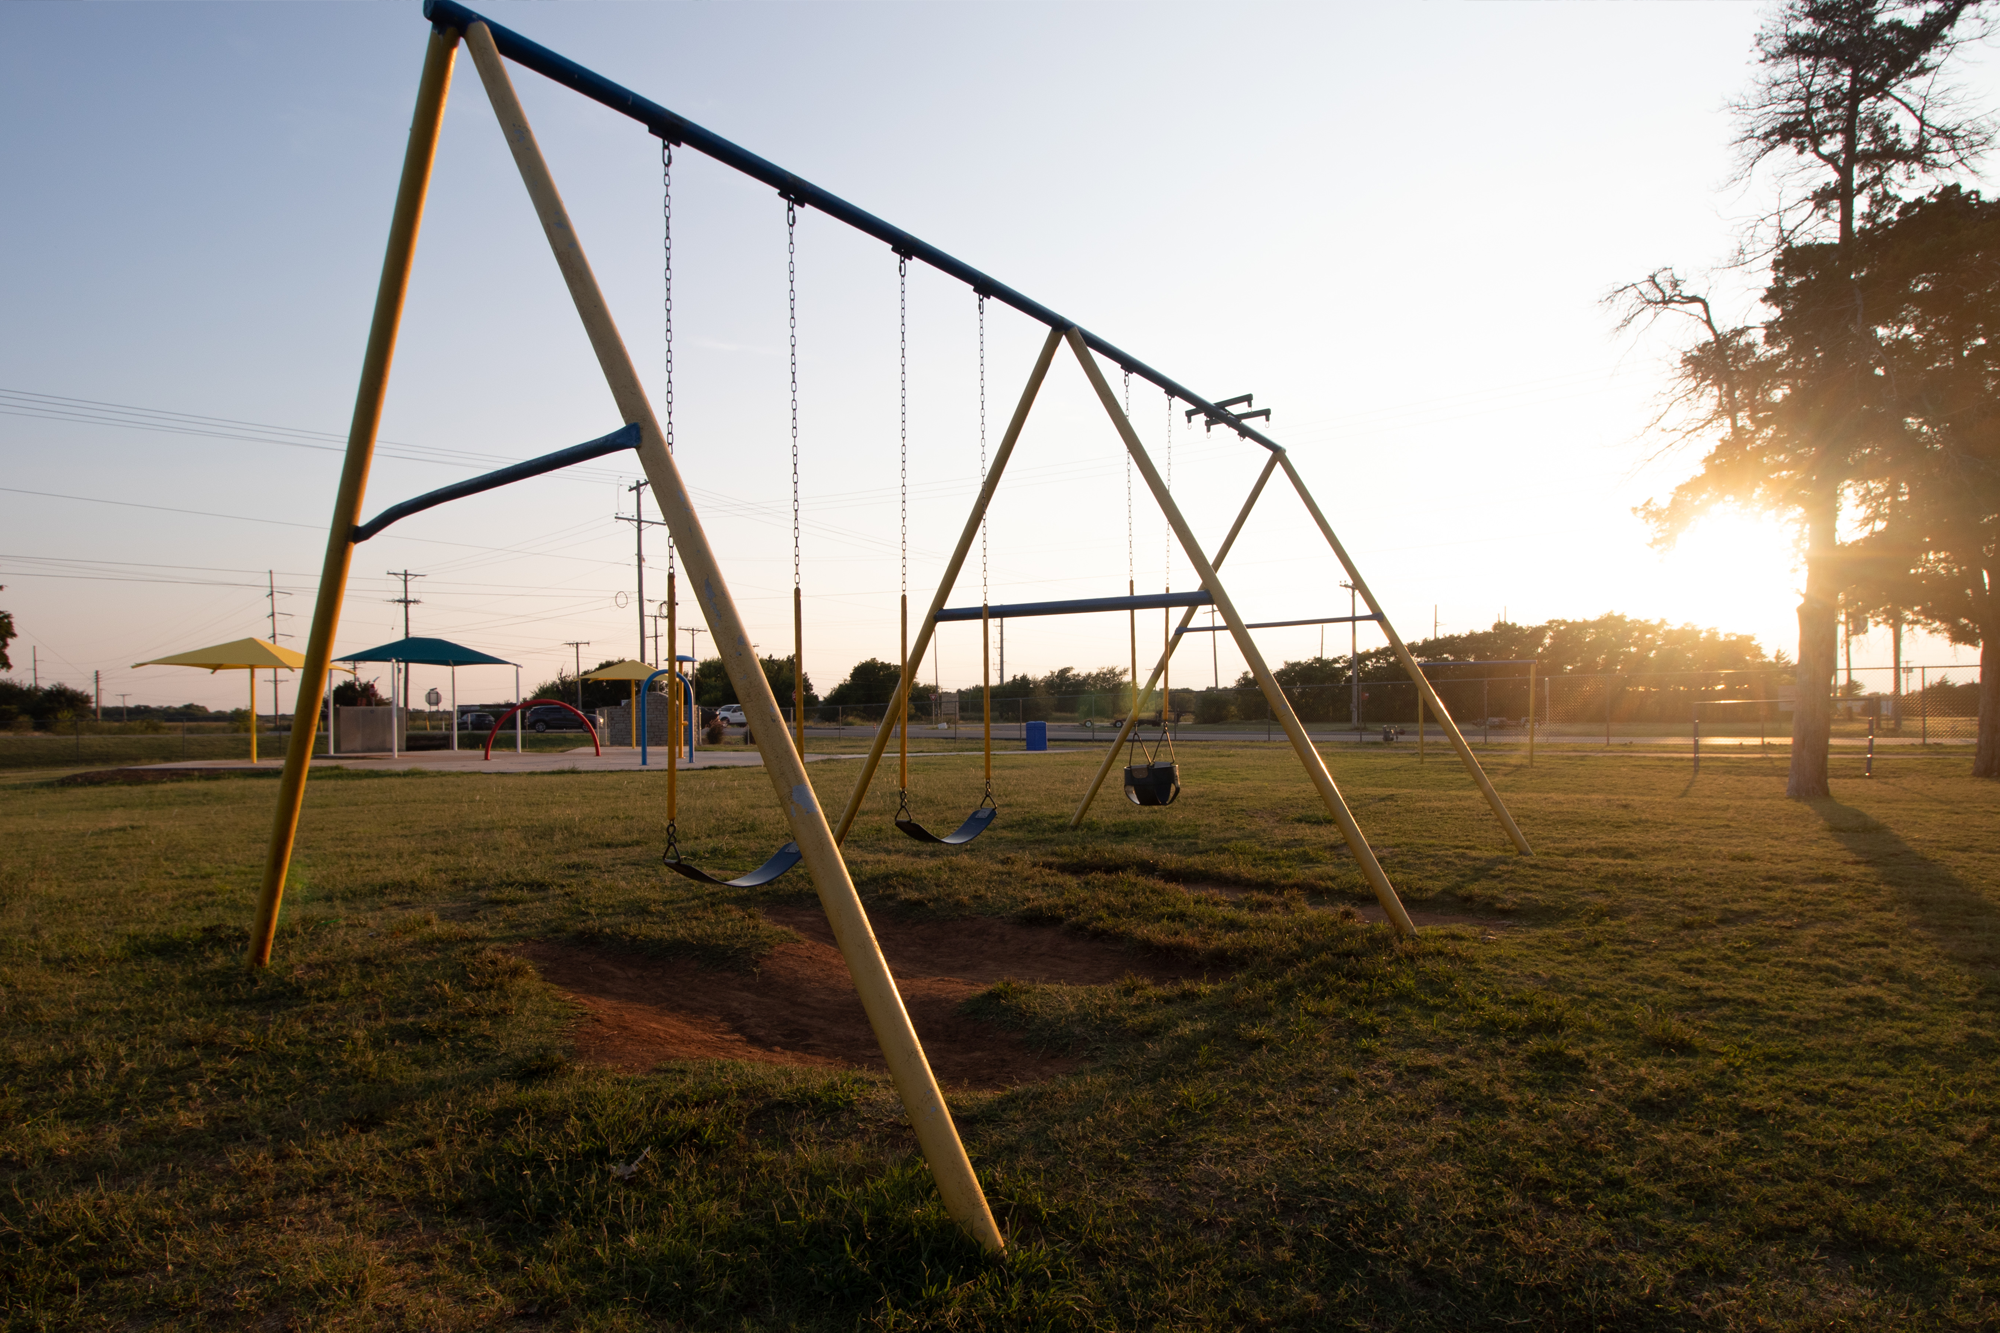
(248, 656)
(632, 672)
(818, 846)
(530, 703)
(422, 651)
(676, 719)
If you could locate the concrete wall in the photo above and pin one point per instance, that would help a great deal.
(363, 730)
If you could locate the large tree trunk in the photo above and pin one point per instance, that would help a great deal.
(1819, 654)
(1986, 758)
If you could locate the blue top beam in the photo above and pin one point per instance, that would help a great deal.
(625, 437)
(1145, 601)
(676, 129)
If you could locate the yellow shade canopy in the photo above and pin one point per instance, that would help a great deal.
(625, 670)
(240, 655)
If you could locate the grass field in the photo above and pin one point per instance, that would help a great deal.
(1710, 1059)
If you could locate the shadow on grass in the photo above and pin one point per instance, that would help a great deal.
(1962, 921)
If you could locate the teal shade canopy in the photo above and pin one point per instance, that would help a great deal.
(426, 652)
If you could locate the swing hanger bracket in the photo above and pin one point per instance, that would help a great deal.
(1222, 416)
(1240, 400)
(1236, 418)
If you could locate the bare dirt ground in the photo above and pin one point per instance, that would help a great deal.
(799, 1006)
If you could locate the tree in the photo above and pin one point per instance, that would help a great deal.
(1930, 279)
(872, 684)
(1848, 106)
(6, 635)
(712, 687)
(358, 694)
(596, 693)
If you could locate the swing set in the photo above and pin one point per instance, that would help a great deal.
(816, 842)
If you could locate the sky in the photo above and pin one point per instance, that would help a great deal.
(1394, 225)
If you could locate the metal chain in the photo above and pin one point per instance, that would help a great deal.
(1131, 570)
(667, 247)
(792, 294)
(903, 366)
(1170, 491)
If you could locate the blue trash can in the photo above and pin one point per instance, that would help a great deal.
(1038, 735)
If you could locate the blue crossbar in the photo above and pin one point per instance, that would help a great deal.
(1151, 601)
(625, 437)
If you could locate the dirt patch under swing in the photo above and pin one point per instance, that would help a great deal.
(800, 1008)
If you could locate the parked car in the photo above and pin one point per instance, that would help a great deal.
(475, 722)
(731, 715)
(548, 717)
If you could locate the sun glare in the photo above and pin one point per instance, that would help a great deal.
(1736, 572)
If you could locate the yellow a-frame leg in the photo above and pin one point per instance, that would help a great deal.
(911, 1072)
(1425, 694)
(403, 227)
(1385, 893)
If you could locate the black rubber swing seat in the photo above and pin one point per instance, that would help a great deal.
(975, 824)
(781, 860)
(1155, 783)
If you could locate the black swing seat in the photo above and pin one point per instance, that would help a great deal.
(975, 824)
(1154, 783)
(781, 860)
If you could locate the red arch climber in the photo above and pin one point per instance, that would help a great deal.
(529, 703)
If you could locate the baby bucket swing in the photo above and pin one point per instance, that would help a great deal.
(1153, 780)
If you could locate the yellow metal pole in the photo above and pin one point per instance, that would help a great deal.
(1173, 641)
(929, 626)
(252, 673)
(937, 1136)
(1409, 662)
(986, 690)
(902, 705)
(1531, 715)
(1132, 624)
(673, 703)
(404, 224)
(1385, 893)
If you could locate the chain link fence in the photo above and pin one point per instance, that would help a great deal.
(1921, 704)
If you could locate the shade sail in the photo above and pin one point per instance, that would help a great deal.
(240, 655)
(625, 670)
(427, 652)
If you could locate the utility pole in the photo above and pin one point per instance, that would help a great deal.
(637, 518)
(1354, 655)
(124, 713)
(271, 581)
(406, 602)
(1214, 656)
(97, 690)
(35, 662)
(579, 645)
